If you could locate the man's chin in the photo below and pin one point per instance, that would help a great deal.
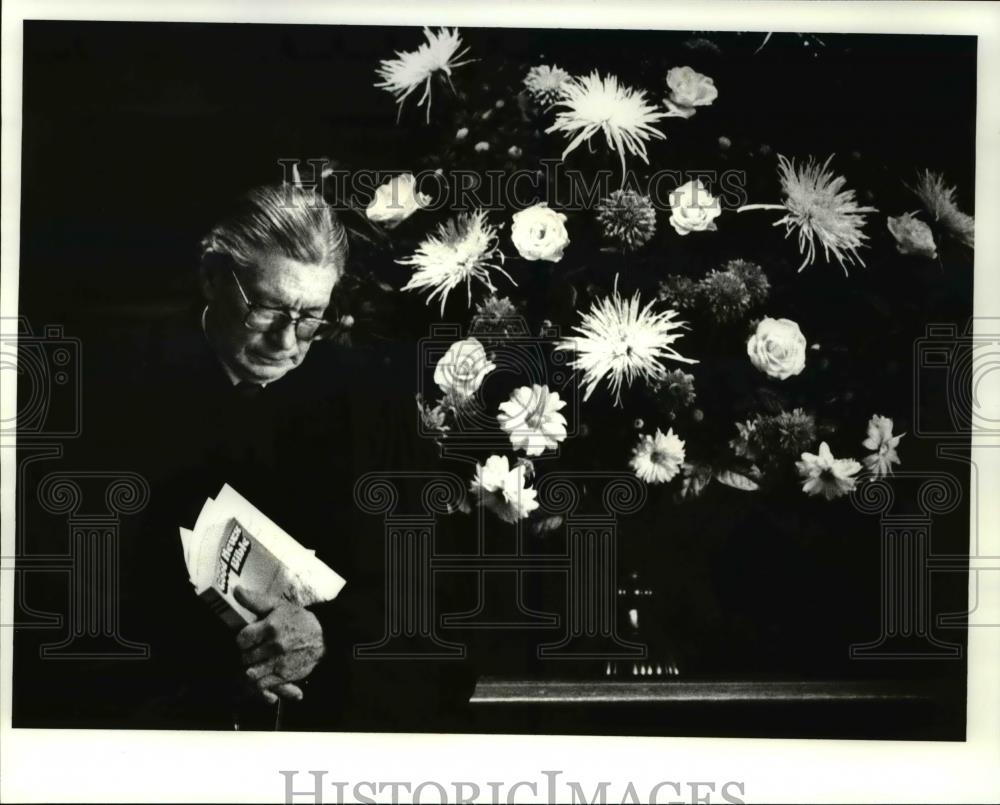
(264, 371)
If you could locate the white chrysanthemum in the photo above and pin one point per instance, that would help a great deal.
(409, 70)
(825, 475)
(881, 440)
(818, 207)
(939, 199)
(657, 459)
(596, 104)
(502, 490)
(464, 248)
(545, 82)
(622, 341)
(531, 417)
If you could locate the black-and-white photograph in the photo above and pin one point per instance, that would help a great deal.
(478, 380)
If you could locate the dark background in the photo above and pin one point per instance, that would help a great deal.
(136, 135)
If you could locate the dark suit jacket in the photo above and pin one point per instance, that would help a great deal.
(295, 451)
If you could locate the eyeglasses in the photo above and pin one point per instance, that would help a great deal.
(264, 319)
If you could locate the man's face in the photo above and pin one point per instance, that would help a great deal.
(272, 280)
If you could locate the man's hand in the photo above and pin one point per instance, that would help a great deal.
(280, 648)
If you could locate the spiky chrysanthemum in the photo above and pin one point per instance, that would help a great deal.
(939, 199)
(464, 248)
(409, 70)
(621, 341)
(596, 104)
(820, 210)
(627, 219)
(545, 83)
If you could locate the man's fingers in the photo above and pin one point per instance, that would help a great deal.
(269, 681)
(259, 653)
(253, 634)
(289, 691)
(262, 670)
(257, 603)
(269, 697)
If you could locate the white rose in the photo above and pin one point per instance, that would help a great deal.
(539, 233)
(461, 371)
(396, 200)
(778, 348)
(693, 208)
(688, 89)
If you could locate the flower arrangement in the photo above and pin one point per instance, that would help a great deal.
(700, 358)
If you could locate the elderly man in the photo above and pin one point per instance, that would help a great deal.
(290, 250)
(224, 395)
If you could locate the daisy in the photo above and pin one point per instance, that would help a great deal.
(545, 83)
(599, 104)
(825, 475)
(502, 490)
(622, 341)
(657, 459)
(816, 205)
(464, 248)
(881, 440)
(402, 75)
(531, 417)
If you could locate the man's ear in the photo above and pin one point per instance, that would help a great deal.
(208, 276)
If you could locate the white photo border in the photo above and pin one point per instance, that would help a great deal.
(127, 766)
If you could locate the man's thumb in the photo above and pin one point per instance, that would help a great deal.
(257, 603)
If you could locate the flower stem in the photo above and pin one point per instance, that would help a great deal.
(747, 207)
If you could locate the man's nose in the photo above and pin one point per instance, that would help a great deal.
(284, 338)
